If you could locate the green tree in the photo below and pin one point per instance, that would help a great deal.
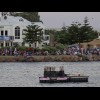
(62, 36)
(33, 34)
(78, 33)
(74, 33)
(88, 31)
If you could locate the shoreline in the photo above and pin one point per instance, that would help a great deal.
(50, 58)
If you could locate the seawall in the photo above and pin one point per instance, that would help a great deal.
(50, 58)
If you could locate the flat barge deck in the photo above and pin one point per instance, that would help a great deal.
(52, 76)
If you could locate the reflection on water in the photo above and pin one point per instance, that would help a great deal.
(27, 74)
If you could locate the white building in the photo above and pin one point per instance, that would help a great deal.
(11, 31)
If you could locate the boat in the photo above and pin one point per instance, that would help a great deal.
(53, 76)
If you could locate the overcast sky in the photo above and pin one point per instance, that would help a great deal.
(57, 19)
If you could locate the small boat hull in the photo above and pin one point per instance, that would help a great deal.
(63, 79)
(78, 79)
(52, 76)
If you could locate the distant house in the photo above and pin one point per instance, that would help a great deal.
(11, 31)
(92, 44)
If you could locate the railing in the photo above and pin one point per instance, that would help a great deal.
(6, 38)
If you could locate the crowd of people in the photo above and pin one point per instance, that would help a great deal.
(16, 52)
(75, 50)
(72, 50)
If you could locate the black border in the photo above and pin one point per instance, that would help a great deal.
(56, 93)
(50, 5)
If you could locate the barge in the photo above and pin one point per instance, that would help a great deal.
(52, 76)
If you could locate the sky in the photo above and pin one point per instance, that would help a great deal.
(58, 19)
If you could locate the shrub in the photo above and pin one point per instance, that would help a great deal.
(60, 46)
(50, 49)
(22, 48)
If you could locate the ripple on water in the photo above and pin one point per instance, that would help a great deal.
(27, 74)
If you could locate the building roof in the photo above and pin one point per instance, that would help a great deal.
(12, 20)
(95, 42)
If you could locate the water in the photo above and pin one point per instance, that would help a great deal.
(27, 74)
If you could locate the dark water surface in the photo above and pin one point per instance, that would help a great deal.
(27, 74)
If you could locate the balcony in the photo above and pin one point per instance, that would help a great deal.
(6, 38)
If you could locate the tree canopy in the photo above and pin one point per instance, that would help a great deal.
(33, 33)
(77, 33)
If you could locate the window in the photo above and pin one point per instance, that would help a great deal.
(2, 33)
(5, 17)
(1, 44)
(45, 44)
(6, 44)
(47, 38)
(6, 33)
(17, 32)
